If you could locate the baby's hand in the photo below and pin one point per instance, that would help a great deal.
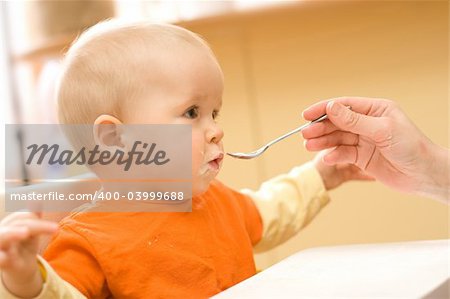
(19, 244)
(335, 175)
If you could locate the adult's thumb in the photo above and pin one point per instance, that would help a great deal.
(348, 120)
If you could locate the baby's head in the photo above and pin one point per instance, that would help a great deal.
(144, 73)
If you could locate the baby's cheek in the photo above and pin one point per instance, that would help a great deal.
(197, 153)
(199, 185)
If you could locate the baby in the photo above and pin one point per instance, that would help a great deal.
(157, 74)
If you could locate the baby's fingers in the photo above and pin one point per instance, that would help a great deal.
(13, 217)
(342, 154)
(5, 259)
(10, 234)
(36, 226)
(9, 257)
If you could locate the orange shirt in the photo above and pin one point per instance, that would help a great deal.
(160, 255)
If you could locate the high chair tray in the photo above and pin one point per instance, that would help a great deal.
(417, 269)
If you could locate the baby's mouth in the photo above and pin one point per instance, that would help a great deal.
(215, 163)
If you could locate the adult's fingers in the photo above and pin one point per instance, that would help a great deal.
(315, 111)
(352, 155)
(347, 120)
(366, 106)
(333, 139)
(319, 129)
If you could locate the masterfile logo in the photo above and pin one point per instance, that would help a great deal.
(136, 163)
(146, 156)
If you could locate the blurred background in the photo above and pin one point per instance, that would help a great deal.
(278, 58)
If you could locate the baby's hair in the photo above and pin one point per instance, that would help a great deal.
(105, 67)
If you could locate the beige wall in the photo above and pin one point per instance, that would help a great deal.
(279, 61)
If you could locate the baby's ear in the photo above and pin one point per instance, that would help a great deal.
(108, 133)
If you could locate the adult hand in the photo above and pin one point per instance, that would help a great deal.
(335, 175)
(379, 138)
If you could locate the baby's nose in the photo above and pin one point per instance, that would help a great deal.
(215, 134)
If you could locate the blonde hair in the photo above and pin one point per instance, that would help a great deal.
(106, 65)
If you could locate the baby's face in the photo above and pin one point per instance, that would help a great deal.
(187, 89)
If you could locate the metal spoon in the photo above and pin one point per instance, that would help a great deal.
(261, 150)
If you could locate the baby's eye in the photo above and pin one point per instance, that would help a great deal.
(215, 114)
(192, 112)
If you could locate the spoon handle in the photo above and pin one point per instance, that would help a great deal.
(319, 119)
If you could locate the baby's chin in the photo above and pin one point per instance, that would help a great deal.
(201, 185)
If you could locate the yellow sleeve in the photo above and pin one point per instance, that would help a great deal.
(54, 286)
(287, 203)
